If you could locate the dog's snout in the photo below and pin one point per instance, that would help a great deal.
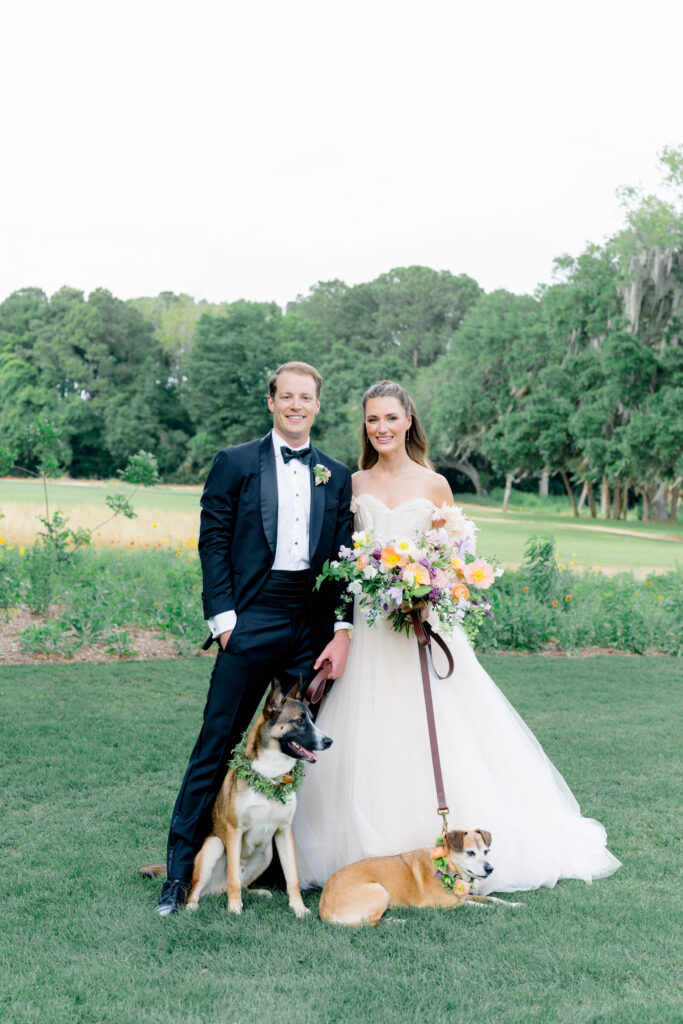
(488, 868)
(327, 742)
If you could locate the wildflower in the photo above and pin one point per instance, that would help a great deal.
(572, 563)
(649, 583)
(391, 558)
(559, 565)
(479, 573)
(524, 590)
(2, 540)
(405, 547)
(164, 541)
(635, 593)
(138, 578)
(361, 562)
(461, 887)
(568, 597)
(460, 592)
(132, 543)
(415, 574)
(660, 597)
(554, 604)
(154, 526)
(458, 564)
(177, 554)
(22, 551)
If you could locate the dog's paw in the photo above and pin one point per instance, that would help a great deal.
(299, 909)
(191, 905)
(235, 906)
(261, 892)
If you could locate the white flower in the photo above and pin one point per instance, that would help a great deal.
(361, 539)
(355, 587)
(405, 546)
(369, 572)
(498, 571)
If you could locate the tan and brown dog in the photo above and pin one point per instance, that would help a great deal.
(361, 892)
(246, 820)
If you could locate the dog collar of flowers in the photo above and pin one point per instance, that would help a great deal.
(452, 883)
(321, 474)
(243, 769)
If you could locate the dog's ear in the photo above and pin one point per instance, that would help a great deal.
(274, 700)
(486, 836)
(295, 692)
(455, 840)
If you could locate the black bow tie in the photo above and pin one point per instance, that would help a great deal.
(288, 454)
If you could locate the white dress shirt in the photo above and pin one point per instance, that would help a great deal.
(293, 524)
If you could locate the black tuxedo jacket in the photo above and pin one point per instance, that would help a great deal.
(238, 530)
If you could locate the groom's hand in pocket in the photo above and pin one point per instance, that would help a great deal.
(224, 637)
(336, 652)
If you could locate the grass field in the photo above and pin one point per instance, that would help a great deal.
(91, 757)
(170, 516)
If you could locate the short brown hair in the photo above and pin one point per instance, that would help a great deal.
(305, 369)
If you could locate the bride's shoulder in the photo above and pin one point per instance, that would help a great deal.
(358, 480)
(439, 489)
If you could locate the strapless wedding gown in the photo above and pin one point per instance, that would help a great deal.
(372, 793)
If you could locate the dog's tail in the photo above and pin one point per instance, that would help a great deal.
(153, 871)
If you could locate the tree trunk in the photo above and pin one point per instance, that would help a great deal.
(646, 506)
(508, 488)
(591, 498)
(624, 501)
(658, 507)
(674, 501)
(570, 492)
(543, 484)
(604, 498)
(584, 492)
(463, 466)
(616, 500)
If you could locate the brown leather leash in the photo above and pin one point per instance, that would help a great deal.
(424, 635)
(319, 685)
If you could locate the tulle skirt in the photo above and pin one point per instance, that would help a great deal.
(372, 793)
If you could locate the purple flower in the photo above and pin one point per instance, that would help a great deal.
(434, 595)
(377, 553)
(395, 594)
(438, 874)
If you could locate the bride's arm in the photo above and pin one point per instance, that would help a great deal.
(441, 495)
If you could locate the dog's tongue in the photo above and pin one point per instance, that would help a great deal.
(306, 755)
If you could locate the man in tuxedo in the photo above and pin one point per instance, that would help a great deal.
(270, 518)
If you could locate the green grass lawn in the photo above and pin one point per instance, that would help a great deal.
(91, 758)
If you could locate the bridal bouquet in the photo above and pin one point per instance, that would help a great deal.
(436, 569)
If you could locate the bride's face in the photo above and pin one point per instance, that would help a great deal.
(387, 424)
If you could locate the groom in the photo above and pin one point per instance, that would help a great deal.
(272, 512)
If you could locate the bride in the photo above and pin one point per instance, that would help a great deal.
(372, 794)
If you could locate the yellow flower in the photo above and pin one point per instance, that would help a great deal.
(649, 583)
(554, 604)
(2, 540)
(572, 563)
(154, 526)
(660, 597)
(635, 593)
(22, 550)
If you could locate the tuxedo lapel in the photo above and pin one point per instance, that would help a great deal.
(268, 491)
(317, 507)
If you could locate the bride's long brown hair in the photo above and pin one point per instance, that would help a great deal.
(416, 441)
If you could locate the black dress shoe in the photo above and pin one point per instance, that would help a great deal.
(173, 896)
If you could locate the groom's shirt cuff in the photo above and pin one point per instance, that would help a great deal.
(342, 625)
(221, 623)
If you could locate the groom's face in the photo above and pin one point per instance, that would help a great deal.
(294, 407)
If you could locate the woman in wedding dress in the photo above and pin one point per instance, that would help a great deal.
(372, 793)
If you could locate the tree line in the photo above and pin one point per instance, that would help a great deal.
(580, 383)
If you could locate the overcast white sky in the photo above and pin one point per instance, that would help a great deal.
(247, 150)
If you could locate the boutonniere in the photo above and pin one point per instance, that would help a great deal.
(321, 474)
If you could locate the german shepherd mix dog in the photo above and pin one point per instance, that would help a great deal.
(361, 892)
(256, 803)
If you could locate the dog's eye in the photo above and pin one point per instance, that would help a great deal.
(470, 853)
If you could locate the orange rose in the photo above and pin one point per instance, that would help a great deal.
(361, 562)
(460, 592)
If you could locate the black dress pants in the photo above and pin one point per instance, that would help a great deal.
(268, 642)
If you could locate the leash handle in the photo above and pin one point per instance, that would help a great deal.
(319, 685)
(424, 635)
